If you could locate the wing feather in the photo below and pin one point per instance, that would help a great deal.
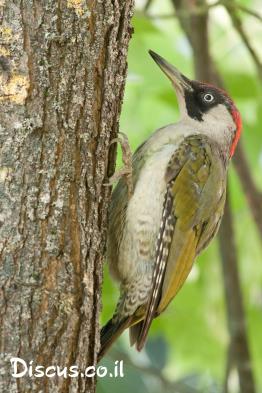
(163, 240)
(194, 185)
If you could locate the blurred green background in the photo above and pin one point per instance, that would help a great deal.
(187, 346)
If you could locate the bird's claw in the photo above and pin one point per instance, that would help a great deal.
(126, 172)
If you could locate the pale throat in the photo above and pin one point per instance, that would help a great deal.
(217, 124)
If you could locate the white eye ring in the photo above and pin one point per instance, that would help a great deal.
(208, 97)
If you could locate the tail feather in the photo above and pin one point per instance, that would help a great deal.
(110, 332)
(134, 333)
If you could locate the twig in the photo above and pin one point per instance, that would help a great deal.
(197, 10)
(237, 6)
(147, 5)
(254, 197)
(237, 22)
(249, 11)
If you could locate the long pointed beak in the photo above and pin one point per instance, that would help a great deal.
(179, 80)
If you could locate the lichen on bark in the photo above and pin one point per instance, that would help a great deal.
(63, 69)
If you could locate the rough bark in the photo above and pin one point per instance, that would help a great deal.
(196, 29)
(63, 68)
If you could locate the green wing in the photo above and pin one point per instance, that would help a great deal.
(194, 203)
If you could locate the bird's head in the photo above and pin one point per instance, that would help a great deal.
(209, 109)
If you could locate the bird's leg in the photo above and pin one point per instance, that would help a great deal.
(126, 172)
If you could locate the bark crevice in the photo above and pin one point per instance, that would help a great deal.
(68, 68)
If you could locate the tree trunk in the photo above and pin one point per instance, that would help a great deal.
(63, 68)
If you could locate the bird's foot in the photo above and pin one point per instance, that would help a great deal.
(126, 172)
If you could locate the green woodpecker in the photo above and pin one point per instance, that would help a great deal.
(179, 179)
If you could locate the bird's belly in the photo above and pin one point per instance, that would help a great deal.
(143, 217)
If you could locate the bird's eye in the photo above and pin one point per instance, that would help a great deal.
(208, 97)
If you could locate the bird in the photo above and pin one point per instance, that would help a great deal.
(175, 210)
